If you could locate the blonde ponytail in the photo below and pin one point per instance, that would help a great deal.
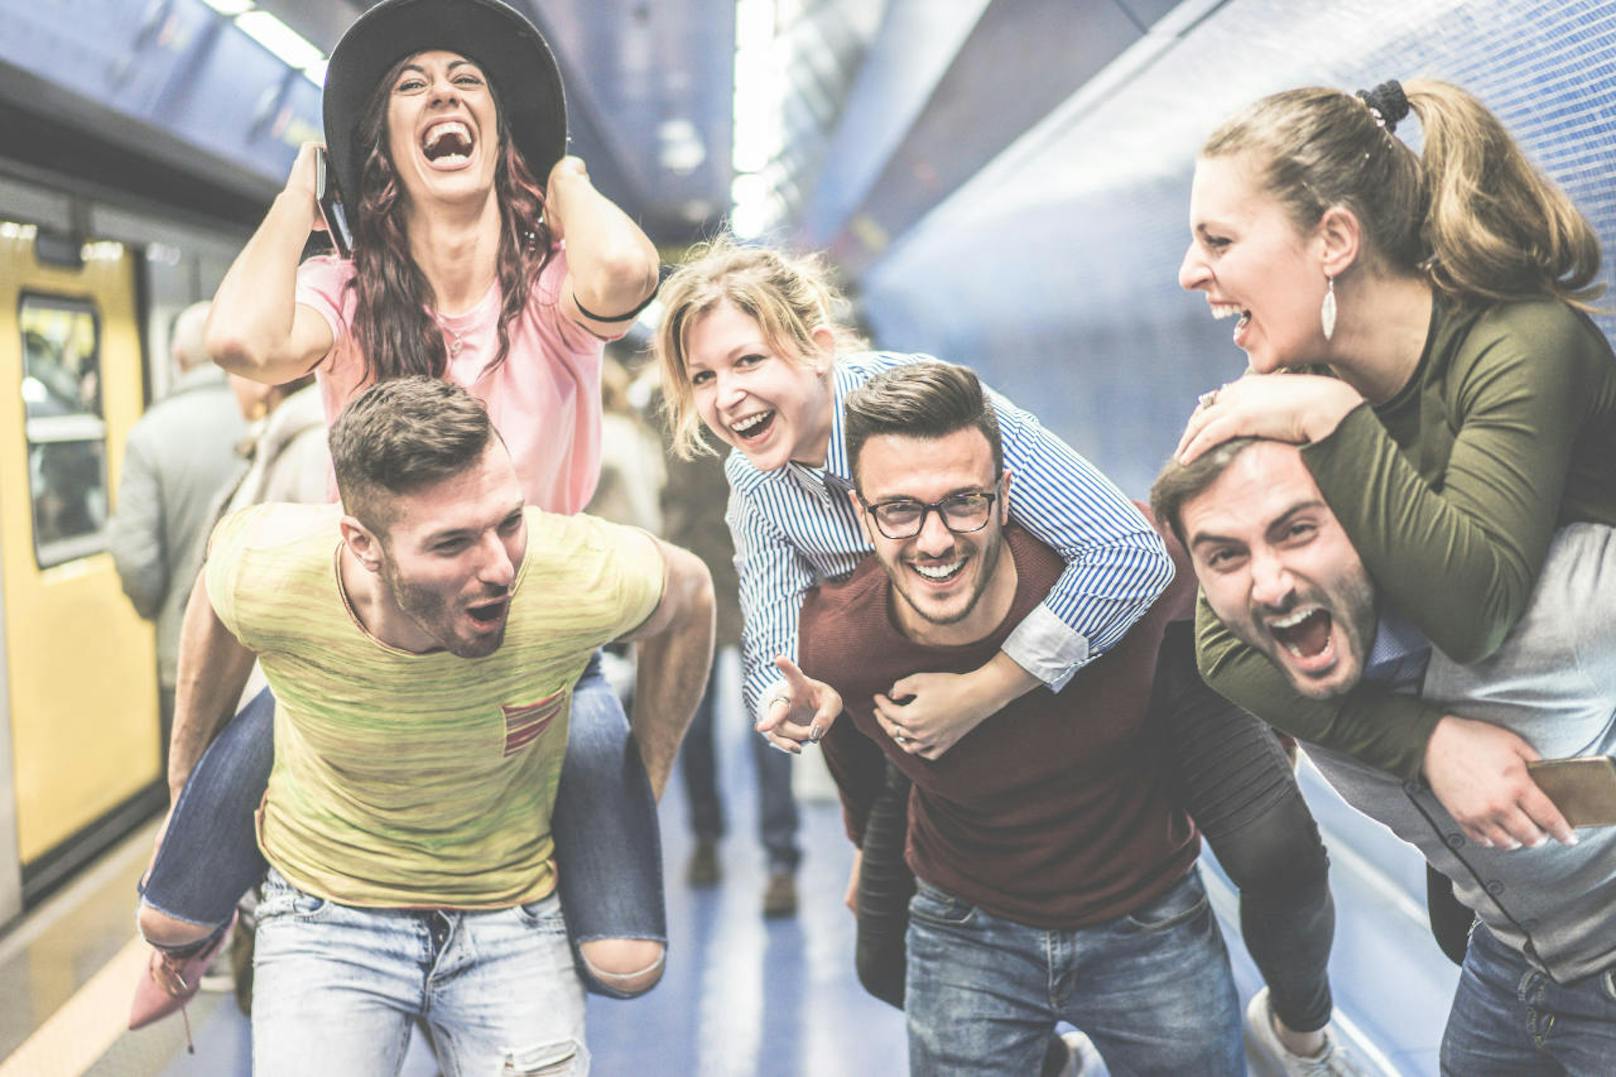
(1495, 227)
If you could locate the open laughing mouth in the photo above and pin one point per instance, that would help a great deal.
(447, 145)
(938, 573)
(753, 426)
(1221, 311)
(1306, 636)
(489, 614)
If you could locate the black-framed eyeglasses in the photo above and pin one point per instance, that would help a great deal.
(904, 517)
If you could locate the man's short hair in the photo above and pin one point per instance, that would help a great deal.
(919, 400)
(1178, 483)
(401, 436)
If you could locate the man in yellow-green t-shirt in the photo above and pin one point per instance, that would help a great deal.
(422, 640)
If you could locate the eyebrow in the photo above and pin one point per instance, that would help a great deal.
(1204, 537)
(455, 532)
(419, 70)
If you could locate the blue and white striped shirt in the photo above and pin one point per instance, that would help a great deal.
(794, 527)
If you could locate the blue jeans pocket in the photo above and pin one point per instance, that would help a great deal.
(544, 914)
(939, 907)
(1181, 905)
(283, 900)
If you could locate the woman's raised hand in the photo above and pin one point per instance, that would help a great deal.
(798, 709)
(1298, 408)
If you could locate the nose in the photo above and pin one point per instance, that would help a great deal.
(730, 392)
(1271, 582)
(1192, 271)
(496, 568)
(935, 539)
(443, 89)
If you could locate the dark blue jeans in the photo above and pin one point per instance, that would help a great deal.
(1510, 1020)
(1152, 989)
(608, 850)
(777, 809)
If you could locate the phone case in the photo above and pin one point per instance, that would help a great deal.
(1584, 789)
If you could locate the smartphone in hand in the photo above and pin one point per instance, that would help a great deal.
(336, 221)
(1584, 789)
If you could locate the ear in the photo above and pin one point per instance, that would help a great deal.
(824, 347)
(1004, 498)
(1339, 236)
(362, 543)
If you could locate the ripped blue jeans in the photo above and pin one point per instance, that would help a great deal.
(339, 988)
(608, 848)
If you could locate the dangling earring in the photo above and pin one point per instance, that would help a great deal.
(1327, 311)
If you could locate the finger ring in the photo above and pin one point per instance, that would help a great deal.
(1207, 399)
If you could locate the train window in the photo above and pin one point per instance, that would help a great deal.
(66, 430)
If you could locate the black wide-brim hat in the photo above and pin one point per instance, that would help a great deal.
(500, 39)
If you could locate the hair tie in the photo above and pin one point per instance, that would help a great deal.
(1387, 103)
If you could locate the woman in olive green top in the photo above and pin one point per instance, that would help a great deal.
(1472, 407)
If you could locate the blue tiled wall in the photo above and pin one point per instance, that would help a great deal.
(1054, 271)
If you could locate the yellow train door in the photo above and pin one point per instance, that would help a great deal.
(82, 685)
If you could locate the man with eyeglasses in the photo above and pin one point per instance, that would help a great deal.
(1055, 872)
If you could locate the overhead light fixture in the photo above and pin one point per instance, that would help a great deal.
(289, 46)
(231, 8)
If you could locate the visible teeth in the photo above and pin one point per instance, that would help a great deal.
(939, 572)
(1224, 310)
(448, 127)
(751, 421)
(1302, 613)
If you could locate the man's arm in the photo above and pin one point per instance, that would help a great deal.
(135, 533)
(213, 669)
(674, 653)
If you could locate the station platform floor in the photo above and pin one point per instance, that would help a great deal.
(742, 995)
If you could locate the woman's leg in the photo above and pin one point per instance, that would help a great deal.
(885, 886)
(608, 847)
(209, 856)
(1238, 786)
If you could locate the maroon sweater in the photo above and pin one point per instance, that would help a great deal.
(1055, 812)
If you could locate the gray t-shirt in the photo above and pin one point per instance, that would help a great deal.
(1553, 682)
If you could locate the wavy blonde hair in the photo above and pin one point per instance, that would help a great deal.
(1471, 213)
(789, 296)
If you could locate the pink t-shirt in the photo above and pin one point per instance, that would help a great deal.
(544, 399)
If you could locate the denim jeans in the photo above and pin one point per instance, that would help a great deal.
(777, 809)
(608, 848)
(1152, 989)
(337, 989)
(1510, 1020)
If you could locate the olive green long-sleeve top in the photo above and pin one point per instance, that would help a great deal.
(1450, 491)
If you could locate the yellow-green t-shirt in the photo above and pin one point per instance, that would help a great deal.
(420, 780)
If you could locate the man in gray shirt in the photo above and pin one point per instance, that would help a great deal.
(1538, 990)
(179, 455)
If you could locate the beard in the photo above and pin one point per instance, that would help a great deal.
(986, 559)
(439, 616)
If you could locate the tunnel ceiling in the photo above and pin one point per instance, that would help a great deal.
(648, 96)
(171, 88)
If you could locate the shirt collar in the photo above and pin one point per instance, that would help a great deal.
(835, 478)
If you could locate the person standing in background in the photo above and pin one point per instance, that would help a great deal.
(693, 505)
(179, 455)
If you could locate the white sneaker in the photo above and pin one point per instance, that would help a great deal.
(1333, 1061)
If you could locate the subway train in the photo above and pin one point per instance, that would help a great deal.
(89, 281)
(1003, 183)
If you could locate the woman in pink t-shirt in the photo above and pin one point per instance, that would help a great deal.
(438, 118)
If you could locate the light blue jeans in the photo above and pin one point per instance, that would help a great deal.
(1152, 989)
(1510, 1020)
(608, 848)
(337, 989)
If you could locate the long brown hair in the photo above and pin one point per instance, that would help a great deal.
(393, 323)
(1470, 213)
